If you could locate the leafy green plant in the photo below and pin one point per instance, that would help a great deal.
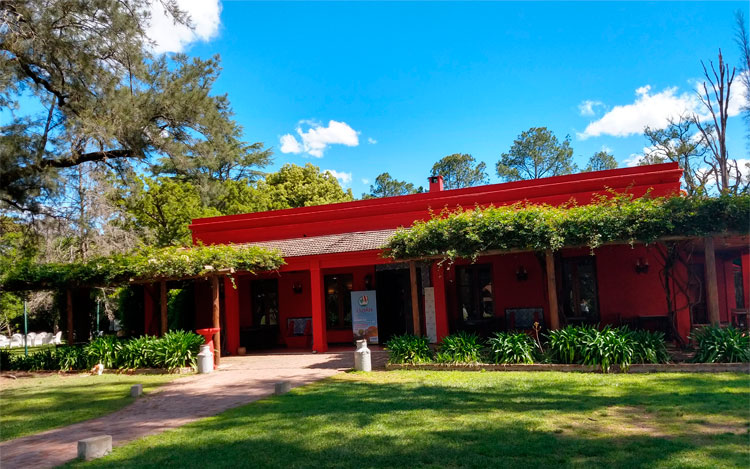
(588, 345)
(137, 353)
(71, 357)
(104, 350)
(721, 345)
(408, 348)
(649, 347)
(461, 347)
(510, 347)
(176, 349)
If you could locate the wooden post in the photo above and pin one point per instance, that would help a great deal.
(415, 315)
(216, 320)
(163, 306)
(554, 318)
(320, 338)
(712, 290)
(69, 310)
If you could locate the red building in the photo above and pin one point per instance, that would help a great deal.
(331, 250)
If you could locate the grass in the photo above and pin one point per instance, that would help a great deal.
(422, 419)
(32, 405)
(20, 350)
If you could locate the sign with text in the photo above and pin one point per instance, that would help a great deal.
(365, 316)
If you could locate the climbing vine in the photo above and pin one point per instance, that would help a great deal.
(144, 264)
(618, 218)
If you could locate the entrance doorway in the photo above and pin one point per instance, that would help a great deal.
(394, 303)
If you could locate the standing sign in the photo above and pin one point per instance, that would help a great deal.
(365, 316)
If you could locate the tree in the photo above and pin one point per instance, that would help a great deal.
(600, 161)
(298, 186)
(161, 209)
(536, 153)
(724, 170)
(743, 42)
(386, 186)
(80, 86)
(679, 143)
(460, 170)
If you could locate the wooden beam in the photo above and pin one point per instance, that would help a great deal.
(216, 320)
(415, 314)
(554, 318)
(712, 289)
(69, 311)
(163, 306)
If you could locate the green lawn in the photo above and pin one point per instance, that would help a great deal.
(32, 405)
(470, 419)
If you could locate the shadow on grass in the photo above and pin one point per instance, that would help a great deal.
(349, 423)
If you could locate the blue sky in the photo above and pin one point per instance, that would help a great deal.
(413, 82)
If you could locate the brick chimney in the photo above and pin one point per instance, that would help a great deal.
(436, 183)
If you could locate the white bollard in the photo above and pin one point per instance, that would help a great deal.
(205, 360)
(362, 360)
(282, 387)
(94, 447)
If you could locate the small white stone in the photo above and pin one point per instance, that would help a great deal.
(136, 390)
(94, 447)
(282, 387)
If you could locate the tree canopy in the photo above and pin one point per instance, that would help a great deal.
(536, 153)
(600, 161)
(81, 86)
(386, 186)
(460, 170)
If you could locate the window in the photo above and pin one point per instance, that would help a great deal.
(475, 301)
(580, 296)
(265, 301)
(339, 300)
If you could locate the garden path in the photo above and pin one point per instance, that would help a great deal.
(239, 380)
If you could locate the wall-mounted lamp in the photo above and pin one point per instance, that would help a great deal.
(521, 274)
(641, 266)
(297, 287)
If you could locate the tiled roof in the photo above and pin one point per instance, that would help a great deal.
(329, 244)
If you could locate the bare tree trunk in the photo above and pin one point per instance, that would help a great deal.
(716, 103)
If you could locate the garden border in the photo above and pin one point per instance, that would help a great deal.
(634, 368)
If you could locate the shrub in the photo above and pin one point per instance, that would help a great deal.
(721, 345)
(462, 347)
(104, 350)
(409, 348)
(509, 347)
(71, 357)
(609, 346)
(137, 353)
(176, 349)
(649, 347)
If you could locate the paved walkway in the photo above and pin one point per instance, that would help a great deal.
(240, 380)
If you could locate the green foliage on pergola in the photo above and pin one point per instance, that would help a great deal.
(147, 264)
(531, 227)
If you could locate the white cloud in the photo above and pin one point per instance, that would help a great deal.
(371, 141)
(316, 139)
(606, 149)
(289, 144)
(655, 110)
(365, 181)
(171, 37)
(652, 110)
(344, 178)
(636, 158)
(588, 107)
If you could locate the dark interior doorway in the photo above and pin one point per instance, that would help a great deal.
(394, 303)
(264, 333)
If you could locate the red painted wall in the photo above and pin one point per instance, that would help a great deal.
(392, 212)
